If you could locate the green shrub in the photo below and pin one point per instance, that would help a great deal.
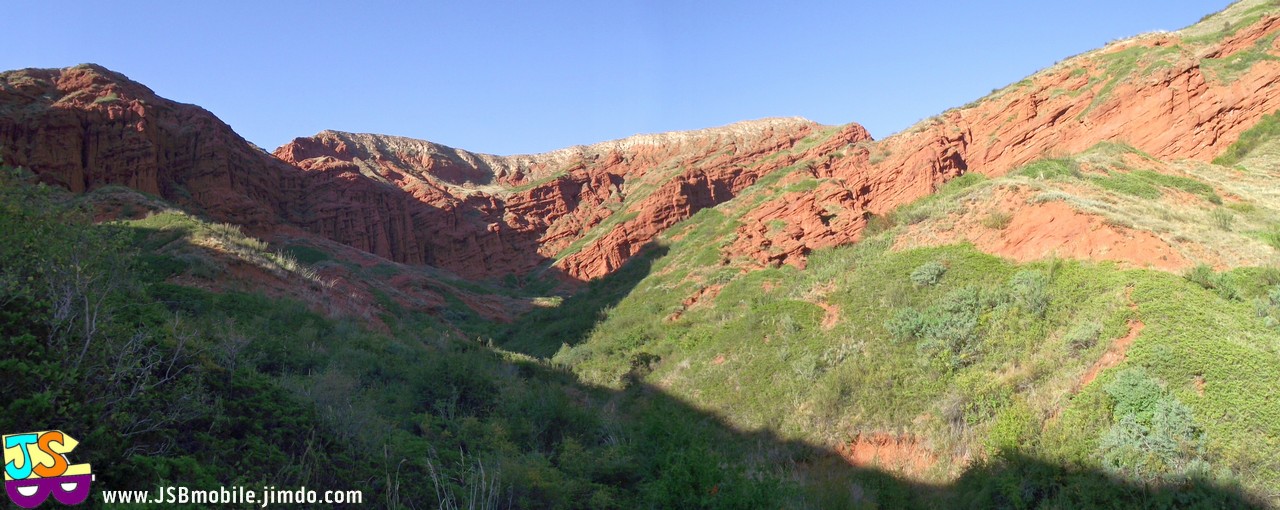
(1204, 276)
(1128, 184)
(1084, 335)
(305, 254)
(929, 273)
(1154, 436)
(997, 220)
(1222, 218)
(1013, 429)
(1030, 291)
(1135, 393)
(906, 325)
(1053, 168)
(1271, 237)
(1186, 184)
(949, 333)
(1268, 307)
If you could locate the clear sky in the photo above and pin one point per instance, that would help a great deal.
(510, 77)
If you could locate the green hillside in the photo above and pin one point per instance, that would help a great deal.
(969, 352)
(915, 368)
(977, 357)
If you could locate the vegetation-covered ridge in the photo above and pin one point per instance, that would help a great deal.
(735, 400)
(968, 358)
(1005, 307)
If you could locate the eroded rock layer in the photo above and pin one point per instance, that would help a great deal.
(1166, 94)
(583, 211)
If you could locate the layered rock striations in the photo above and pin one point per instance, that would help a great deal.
(1170, 95)
(410, 201)
(583, 211)
(86, 127)
(495, 215)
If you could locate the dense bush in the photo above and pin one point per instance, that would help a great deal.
(1053, 168)
(929, 273)
(1204, 276)
(1268, 307)
(1154, 436)
(1030, 291)
(170, 384)
(950, 332)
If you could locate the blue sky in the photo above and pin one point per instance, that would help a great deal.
(509, 77)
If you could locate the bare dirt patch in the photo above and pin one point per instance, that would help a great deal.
(1114, 355)
(1038, 230)
(831, 314)
(702, 294)
(1118, 349)
(903, 453)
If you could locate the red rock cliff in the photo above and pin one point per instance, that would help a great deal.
(493, 215)
(87, 127)
(1166, 94)
(585, 210)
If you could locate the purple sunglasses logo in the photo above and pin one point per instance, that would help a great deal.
(36, 465)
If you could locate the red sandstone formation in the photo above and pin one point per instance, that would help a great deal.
(493, 215)
(585, 210)
(86, 127)
(1172, 107)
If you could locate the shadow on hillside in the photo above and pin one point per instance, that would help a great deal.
(637, 446)
(694, 453)
(542, 331)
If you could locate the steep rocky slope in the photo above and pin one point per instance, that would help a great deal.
(995, 369)
(1012, 284)
(581, 212)
(493, 215)
(86, 127)
(406, 200)
(1174, 95)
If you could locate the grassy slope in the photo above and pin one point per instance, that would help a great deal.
(732, 402)
(411, 418)
(759, 356)
(418, 416)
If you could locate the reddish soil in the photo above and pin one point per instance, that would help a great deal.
(482, 216)
(1037, 231)
(493, 215)
(1114, 355)
(900, 453)
(1116, 352)
(705, 293)
(831, 315)
(1176, 112)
